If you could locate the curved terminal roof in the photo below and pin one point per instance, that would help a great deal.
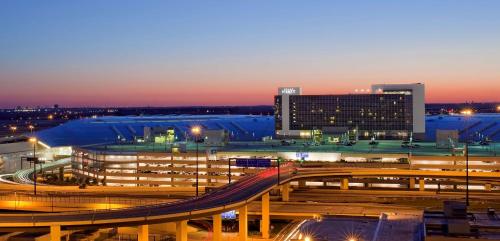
(108, 129)
(477, 126)
(240, 127)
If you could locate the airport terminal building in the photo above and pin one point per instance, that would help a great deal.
(161, 151)
(385, 112)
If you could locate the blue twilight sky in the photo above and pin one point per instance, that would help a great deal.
(164, 53)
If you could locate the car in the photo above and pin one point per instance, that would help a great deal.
(349, 143)
(484, 143)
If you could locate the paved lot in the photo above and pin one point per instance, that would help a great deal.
(363, 146)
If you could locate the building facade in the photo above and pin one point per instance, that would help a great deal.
(388, 112)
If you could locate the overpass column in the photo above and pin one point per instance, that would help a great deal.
(344, 184)
(243, 223)
(411, 185)
(143, 232)
(421, 184)
(217, 227)
(265, 223)
(55, 233)
(181, 231)
(285, 192)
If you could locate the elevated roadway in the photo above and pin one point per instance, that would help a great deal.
(24, 176)
(230, 197)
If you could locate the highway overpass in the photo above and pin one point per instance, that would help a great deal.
(230, 197)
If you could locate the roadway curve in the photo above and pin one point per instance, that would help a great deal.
(224, 199)
(4, 178)
(25, 176)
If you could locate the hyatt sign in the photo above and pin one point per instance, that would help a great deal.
(289, 91)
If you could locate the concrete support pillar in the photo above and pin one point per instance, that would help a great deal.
(487, 187)
(302, 183)
(411, 185)
(285, 192)
(324, 184)
(243, 223)
(181, 233)
(217, 227)
(421, 184)
(265, 223)
(143, 232)
(344, 184)
(55, 233)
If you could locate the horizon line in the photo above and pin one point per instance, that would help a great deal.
(211, 106)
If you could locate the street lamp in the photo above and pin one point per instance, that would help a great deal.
(13, 129)
(196, 131)
(34, 141)
(31, 127)
(467, 113)
(278, 162)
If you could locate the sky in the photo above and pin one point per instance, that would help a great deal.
(180, 53)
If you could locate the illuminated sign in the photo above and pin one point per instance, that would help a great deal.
(289, 91)
(302, 155)
(253, 162)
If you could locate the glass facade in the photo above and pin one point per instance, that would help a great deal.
(388, 115)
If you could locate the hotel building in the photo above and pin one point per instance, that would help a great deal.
(386, 111)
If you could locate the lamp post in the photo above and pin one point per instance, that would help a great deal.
(278, 161)
(196, 131)
(34, 141)
(31, 127)
(467, 114)
(229, 170)
(13, 129)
